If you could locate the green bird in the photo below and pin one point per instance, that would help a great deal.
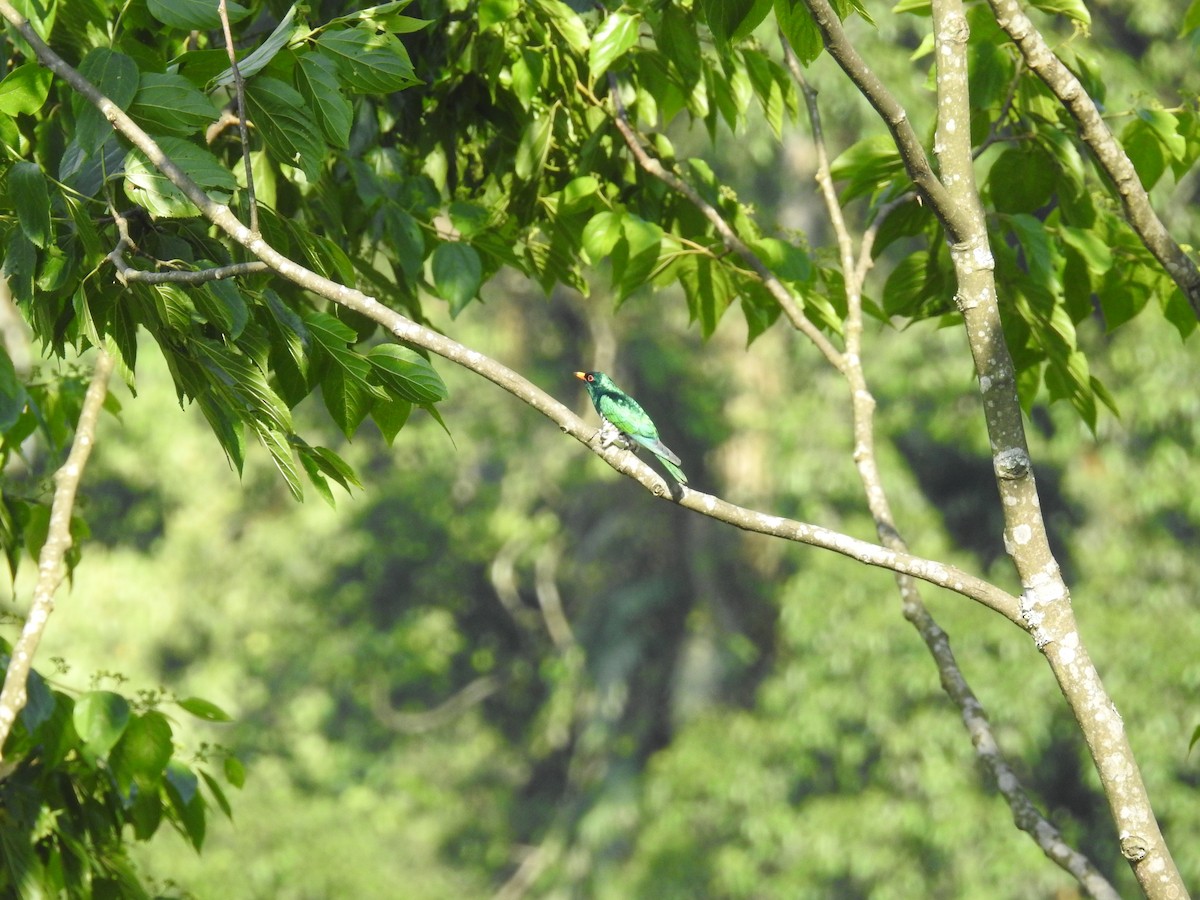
(622, 413)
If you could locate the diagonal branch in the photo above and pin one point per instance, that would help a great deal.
(777, 289)
(14, 695)
(127, 273)
(894, 116)
(1107, 149)
(239, 84)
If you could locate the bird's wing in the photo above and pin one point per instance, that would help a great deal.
(627, 415)
(657, 447)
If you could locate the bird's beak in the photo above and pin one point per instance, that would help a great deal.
(582, 376)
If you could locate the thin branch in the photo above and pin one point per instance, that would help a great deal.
(431, 719)
(240, 94)
(51, 568)
(894, 116)
(735, 244)
(127, 273)
(1108, 151)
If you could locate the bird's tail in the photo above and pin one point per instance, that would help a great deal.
(676, 472)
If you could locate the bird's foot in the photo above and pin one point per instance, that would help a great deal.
(610, 435)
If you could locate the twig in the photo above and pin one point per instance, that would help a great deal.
(1108, 151)
(127, 273)
(51, 569)
(430, 719)
(735, 244)
(240, 93)
(405, 329)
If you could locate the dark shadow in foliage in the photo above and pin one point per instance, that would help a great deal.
(122, 514)
(962, 488)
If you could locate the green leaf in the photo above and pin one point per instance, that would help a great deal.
(151, 190)
(235, 773)
(732, 20)
(635, 257)
(773, 88)
(677, 41)
(566, 22)
(1036, 243)
(369, 62)
(867, 166)
(115, 75)
(407, 374)
(1145, 151)
(709, 292)
(535, 145)
(391, 416)
(255, 62)
(194, 15)
(1072, 9)
(204, 709)
(1166, 128)
(171, 104)
(1095, 252)
(345, 386)
(100, 718)
(493, 12)
(184, 794)
(13, 396)
(1021, 179)
(143, 751)
(601, 234)
(1191, 21)
(407, 238)
(612, 40)
(24, 89)
(802, 33)
(218, 794)
(457, 273)
(279, 112)
(31, 198)
(281, 455)
(785, 259)
(316, 76)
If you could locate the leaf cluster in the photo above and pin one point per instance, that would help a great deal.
(84, 771)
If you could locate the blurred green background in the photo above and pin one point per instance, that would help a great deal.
(501, 653)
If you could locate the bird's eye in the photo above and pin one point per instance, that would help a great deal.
(591, 377)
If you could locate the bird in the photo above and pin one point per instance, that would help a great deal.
(623, 414)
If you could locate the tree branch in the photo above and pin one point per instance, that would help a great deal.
(735, 244)
(1045, 604)
(239, 85)
(894, 116)
(974, 717)
(1108, 151)
(127, 273)
(14, 695)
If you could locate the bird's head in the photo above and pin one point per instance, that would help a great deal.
(595, 380)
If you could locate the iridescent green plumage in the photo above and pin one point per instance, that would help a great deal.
(626, 415)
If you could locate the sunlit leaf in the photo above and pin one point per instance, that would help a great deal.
(100, 719)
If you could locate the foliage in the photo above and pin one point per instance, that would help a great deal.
(422, 152)
(81, 773)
